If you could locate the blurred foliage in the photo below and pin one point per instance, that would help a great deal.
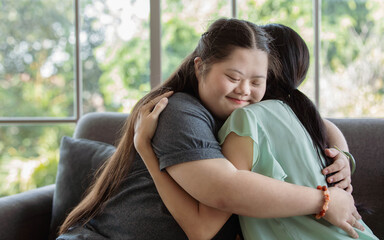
(29, 155)
(37, 63)
(352, 57)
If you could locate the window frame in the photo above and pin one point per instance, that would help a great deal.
(155, 61)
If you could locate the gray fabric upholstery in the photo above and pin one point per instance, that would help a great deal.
(365, 139)
(27, 215)
(79, 160)
(102, 127)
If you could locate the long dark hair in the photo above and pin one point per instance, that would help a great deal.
(214, 46)
(293, 53)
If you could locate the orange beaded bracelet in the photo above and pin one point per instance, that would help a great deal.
(327, 198)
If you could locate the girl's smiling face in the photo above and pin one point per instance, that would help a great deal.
(236, 82)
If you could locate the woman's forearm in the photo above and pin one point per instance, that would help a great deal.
(335, 136)
(275, 198)
(217, 183)
(197, 220)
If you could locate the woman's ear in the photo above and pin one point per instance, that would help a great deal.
(198, 63)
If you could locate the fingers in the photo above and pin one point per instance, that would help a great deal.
(358, 225)
(343, 184)
(349, 230)
(355, 221)
(149, 106)
(338, 164)
(342, 179)
(331, 152)
(349, 189)
(164, 95)
(356, 215)
(146, 122)
(159, 107)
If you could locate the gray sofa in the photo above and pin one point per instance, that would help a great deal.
(36, 214)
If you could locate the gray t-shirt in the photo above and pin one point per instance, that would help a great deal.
(186, 132)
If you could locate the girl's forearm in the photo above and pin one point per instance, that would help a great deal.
(197, 220)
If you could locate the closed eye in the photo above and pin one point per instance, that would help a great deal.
(232, 78)
(257, 82)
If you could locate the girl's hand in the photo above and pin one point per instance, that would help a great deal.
(341, 169)
(342, 212)
(146, 122)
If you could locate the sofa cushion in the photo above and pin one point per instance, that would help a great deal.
(79, 159)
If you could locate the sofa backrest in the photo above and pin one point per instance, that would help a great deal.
(104, 127)
(365, 138)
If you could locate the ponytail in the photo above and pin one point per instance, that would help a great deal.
(293, 53)
(310, 117)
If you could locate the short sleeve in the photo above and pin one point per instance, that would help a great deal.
(244, 122)
(185, 132)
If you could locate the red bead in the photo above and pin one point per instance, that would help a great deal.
(326, 201)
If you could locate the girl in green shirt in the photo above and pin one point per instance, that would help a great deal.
(281, 138)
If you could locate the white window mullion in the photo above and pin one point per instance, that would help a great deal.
(78, 73)
(316, 54)
(155, 39)
(233, 8)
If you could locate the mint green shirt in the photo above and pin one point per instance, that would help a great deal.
(282, 149)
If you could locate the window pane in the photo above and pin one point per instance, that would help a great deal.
(115, 53)
(296, 14)
(183, 22)
(352, 58)
(36, 58)
(29, 155)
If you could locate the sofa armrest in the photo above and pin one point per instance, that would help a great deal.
(26, 215)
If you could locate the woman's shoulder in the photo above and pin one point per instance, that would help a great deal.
(183, 107)
(184, 98)
(184, 102)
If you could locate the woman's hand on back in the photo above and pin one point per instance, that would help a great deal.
(146, 122)
(342, 212)
(340, 168)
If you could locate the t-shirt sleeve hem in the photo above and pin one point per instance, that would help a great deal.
(190, 155)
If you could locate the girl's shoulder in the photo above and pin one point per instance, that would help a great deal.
(271, 103)
(184, 109)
